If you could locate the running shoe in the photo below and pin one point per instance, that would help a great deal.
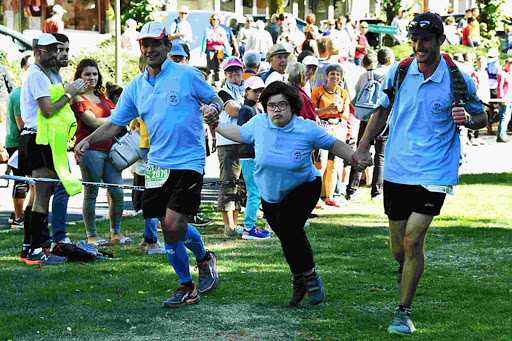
(23, 256)
(256, 234)
(155, 249)
(331, 202)
(182, 296)
(208, 277)
(299, 290)
(198, 221)
(402, 324)
(45, 258)
(17, 223)
(238, 231)
(315, 288)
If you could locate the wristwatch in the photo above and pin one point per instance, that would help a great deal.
(470, 120)
(68, 95)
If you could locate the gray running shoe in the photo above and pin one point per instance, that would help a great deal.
(401, 324)
(182, 296)
(208, 277)
(45, 258)
(315, 288)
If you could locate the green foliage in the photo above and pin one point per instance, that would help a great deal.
(391, 8)
(141, 11)
(104, 55)
(491, 14)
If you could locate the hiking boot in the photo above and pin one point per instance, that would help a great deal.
(255, 234)
(155, 249)
(182, 296)
(23, 256)
(299, 290)
(198, 221)
(401, 324)
(314, 288)
(45, 258)
(47, 244)
(208, 277)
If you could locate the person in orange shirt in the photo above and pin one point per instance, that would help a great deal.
(332, 105)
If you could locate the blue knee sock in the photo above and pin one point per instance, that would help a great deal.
(178, 256)
(194, 243)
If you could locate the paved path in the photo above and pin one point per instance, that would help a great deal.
(490, 157)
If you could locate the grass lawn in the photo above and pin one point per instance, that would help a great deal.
(465, 293)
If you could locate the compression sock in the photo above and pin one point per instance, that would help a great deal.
(36, 225)
(178, 256)
(194, 243)
(26, 226)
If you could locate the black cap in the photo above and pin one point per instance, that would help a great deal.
(430, 31)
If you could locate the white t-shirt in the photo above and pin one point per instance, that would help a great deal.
(35, 86)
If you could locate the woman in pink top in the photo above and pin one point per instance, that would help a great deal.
(362, 45)
(214, 40)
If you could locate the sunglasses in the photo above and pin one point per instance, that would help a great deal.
(424, 25)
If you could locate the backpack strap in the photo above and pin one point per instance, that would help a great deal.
(458, 84)
(399, 79)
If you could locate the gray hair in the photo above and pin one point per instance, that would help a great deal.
(252, 59)
(297, 73)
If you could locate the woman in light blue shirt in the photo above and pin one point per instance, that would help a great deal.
(288, 182)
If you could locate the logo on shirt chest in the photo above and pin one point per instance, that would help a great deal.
(173, 98)
(297, 155)
(436, 106)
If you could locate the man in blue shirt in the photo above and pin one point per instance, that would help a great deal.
(422, 153)
(167, 97)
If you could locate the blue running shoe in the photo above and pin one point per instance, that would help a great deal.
(182, 296)
(256, 234)
(208, 277)
(401, 324)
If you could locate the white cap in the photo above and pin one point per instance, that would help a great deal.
(493, 52)
(46, 39)
(310, 60)
(152, 30)
(58, 9)
(184, 9)
(254, 82)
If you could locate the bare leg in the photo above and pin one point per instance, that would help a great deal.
(414, 256)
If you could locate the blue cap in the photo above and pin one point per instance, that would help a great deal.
(177, 50)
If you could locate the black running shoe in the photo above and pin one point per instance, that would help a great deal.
(182, 296)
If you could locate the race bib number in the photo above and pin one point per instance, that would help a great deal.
(156, 176)
(439, 189)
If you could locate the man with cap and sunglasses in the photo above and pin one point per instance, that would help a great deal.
(167, 97)
(422, 154)
(34, 159)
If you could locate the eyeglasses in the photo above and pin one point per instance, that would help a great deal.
(49, 51)
(232, 71)
(147, 42)
(424, 25)
(281, 105)
(365, 27)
